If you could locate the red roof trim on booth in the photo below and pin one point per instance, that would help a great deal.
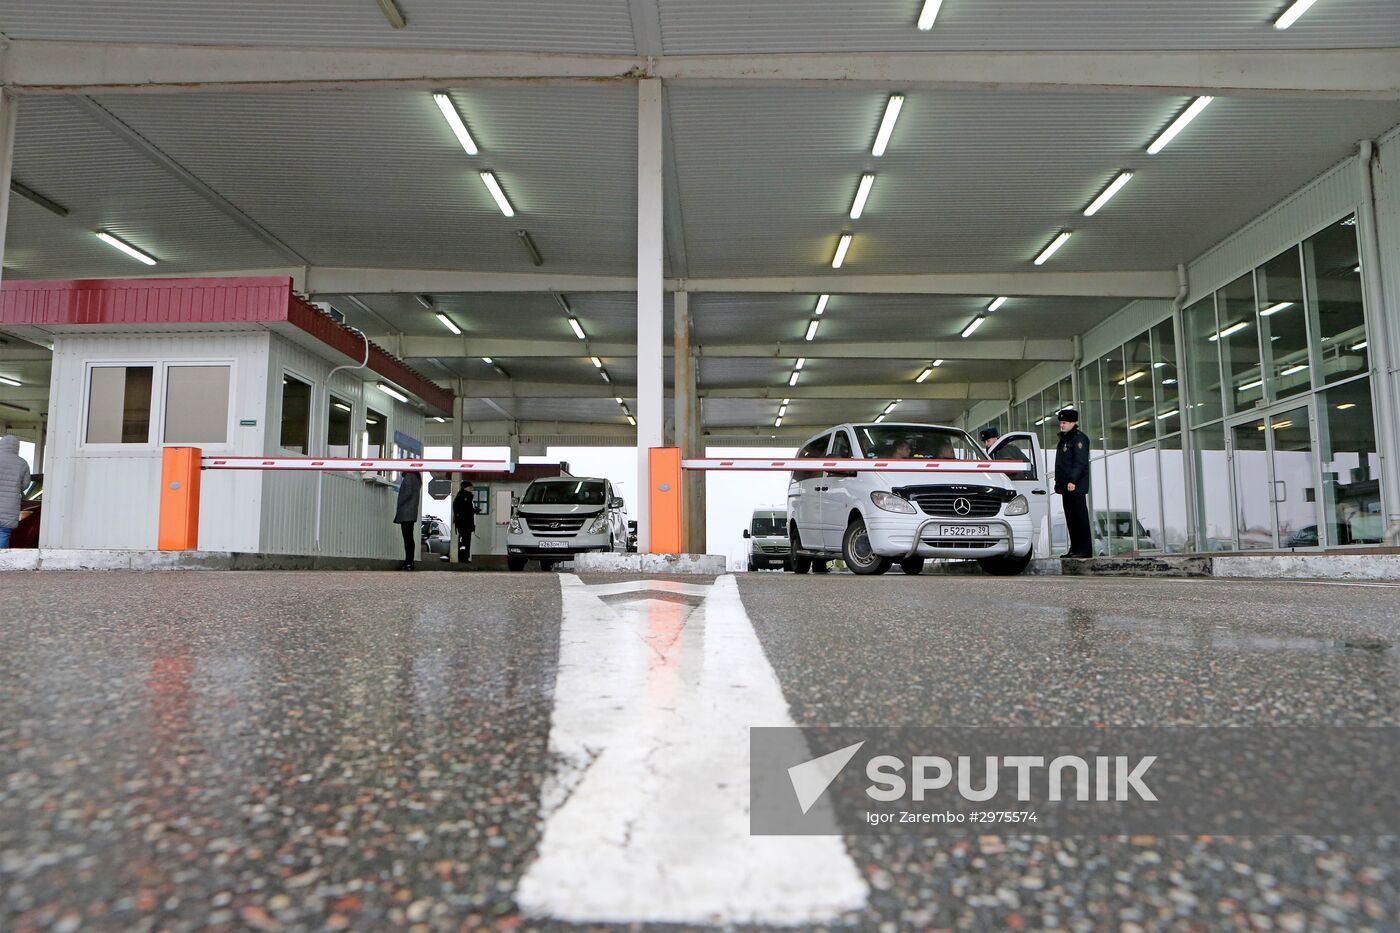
(262, 300)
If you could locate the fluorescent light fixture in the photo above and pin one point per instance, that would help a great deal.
(342, 406)
(578, 328)
(782, 410)
(618, 399)
(425, 301)
(596, 362)
(488, 360)
(778, 422)
(787, 401)
(1251, 385)
(439, 420)
(1169, 414)
(371, 421)
(1285, 423)
(812, 328)
(6, 380)
(1139, 424)
(1359, 346)
(393, 14)
(842, 246)
(937, 362)
(821, 305)
(1131, 377)
(391, 392)
(925, 374)
(632, 421)
(454, 120)
(1294, 369)
(1108, 193)
(1158, 365)
(1290, 15)
(1061, 239)
(879, 418)
(801, 361)
(1232, 329)
(606, 377)
(792, 380)
(1345, 405)
(1168, 382)
(996, 303)
(125, 247)
(889, 408)
(867, 181)
(1357, 269)
(1179, 124)
(929, 13)
(976, 323)
(494, 186)
(882, 136)
(447, 322)
(1275, 309)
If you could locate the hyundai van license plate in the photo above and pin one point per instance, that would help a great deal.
(551, 544)
(964, 531)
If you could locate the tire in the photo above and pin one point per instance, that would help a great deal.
(787, 564)
(801, 563)
(856, 552)
(1007, 566)
(516, 564)
(752, 566)
(912, 566)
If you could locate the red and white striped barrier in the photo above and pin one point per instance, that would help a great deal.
(852, 465)
(355, 465)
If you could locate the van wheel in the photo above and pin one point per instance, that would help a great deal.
(801, 563)
(1006, 566)
(752, 566)
(856, 551)
(516, 564)
(912, 566)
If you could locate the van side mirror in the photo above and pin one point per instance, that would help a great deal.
(616, 503)
(746, 533)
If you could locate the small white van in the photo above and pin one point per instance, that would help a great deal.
(558, 518)
(768, 539)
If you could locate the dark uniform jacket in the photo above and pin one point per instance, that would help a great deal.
(464, 510)
(1072, 461)
(410, 500)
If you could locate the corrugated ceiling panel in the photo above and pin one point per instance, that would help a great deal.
(717, 26)
(549, 25)
(67, 157)
(376, 178)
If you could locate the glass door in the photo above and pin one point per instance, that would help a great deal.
(1274, 472)
(1147, 498)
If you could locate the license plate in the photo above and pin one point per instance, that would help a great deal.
(964, 531)
(552, 544)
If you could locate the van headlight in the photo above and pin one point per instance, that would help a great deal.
(515, 528)
(1018, 506)
(598, 525)
(892, 503)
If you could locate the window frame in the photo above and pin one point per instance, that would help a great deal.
(311, 433)
(325, 433)
(229, 422)
(153, 433)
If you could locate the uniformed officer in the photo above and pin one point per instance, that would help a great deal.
(1072, 482)
(989, 437)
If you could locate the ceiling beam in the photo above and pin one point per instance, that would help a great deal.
(35, 66)
(330, 280)
(485, 390)
(447, 347)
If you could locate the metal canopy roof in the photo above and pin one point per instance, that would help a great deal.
(760, 173)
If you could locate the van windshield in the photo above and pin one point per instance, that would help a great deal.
(566, 492)
(768, 526)
(915, 442)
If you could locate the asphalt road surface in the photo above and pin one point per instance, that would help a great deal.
(284, 751)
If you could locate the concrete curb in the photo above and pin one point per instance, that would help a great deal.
(107, 560)
(598, 562)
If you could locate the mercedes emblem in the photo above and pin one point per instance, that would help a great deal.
(962, 506)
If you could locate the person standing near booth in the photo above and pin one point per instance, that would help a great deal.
(464, 517)
(1072, 483)
(410, 502)
(14, 479)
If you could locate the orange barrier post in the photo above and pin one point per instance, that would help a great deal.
(179, 499)
(664, 499)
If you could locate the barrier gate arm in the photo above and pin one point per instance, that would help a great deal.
(355, 465)
(852, 465)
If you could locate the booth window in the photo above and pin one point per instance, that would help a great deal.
(296, 415)
(376, 433)
(196, 404)
(119, 405)
(338, 428)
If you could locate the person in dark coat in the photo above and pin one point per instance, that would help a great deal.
(989, 437)
(406, 515)
(464, 517)
(1072, 483)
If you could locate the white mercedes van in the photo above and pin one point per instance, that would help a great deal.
(768, 538)
(873, 520)
(558, 518)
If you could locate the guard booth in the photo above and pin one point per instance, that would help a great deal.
(238, 367)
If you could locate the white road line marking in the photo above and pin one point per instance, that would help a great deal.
(646, 818)
(635, 586)
(1264, 580)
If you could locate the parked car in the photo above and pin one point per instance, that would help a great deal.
(873, 520)
(768, 539)
(558, 518)
(26, 534)
(437, 539)
(632, 536)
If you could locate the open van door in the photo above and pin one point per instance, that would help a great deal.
(1031, 483)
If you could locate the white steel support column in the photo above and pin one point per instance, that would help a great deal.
(651, 296)
(9, 105)
(1382, 339)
